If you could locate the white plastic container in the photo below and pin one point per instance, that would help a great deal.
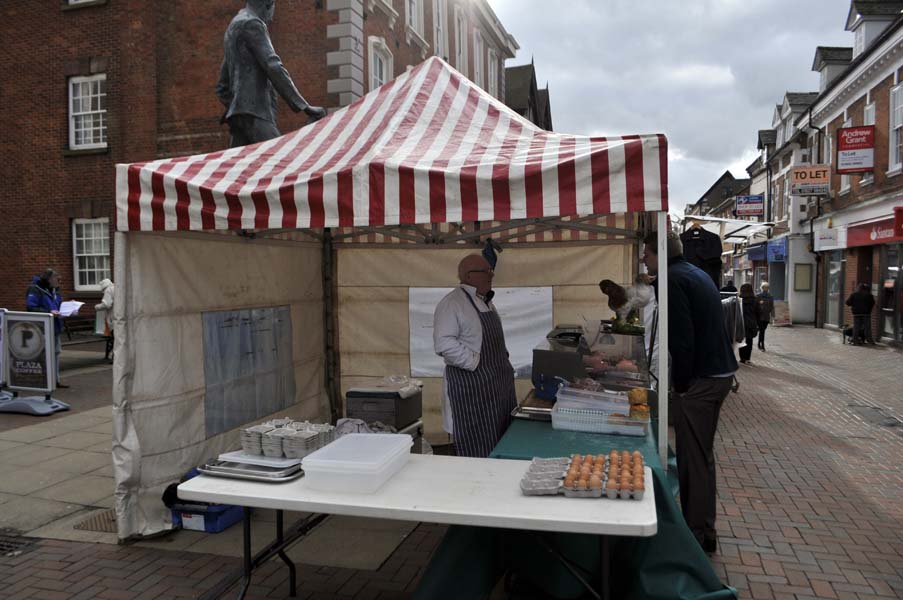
(596, 421)
(609, 401)
(357, 462)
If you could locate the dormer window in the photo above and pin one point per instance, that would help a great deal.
(859, 40)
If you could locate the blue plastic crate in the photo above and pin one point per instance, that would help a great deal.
(210, 519)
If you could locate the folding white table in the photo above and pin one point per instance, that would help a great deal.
(434, 489)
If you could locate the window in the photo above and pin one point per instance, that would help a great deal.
(88, 112)
(91, 252)
(478, 59)
(440, 28)
(789, 128)
(414, 15)
(780, 141)
(460, 40)
(868, 118)
(845, 179)
(787, 200)
(381, 63)
(492, 72)
(895, 140)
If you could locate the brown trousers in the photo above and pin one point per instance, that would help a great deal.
(695, 422)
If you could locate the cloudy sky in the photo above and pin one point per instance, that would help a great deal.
(707, 73)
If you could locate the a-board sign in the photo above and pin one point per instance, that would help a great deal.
(810, 181)
(29, 359)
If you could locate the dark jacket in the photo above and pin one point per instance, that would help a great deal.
(751, 316)
(729, 288)
(861, 302)
(41, 298)
(765, 306)
(252, 73)
(698, 339)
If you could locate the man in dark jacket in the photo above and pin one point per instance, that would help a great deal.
(43, 296)
(861, 303)
(702, 369)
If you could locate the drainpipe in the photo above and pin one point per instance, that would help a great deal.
(818, 211)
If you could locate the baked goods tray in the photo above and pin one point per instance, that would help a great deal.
(234, 470)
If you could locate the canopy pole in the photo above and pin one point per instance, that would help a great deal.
(663, 357)
(330, 327)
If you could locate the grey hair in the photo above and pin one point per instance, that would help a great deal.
(675, 246)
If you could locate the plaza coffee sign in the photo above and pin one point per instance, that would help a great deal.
(28, 343)
(879, 232)
(856, 149)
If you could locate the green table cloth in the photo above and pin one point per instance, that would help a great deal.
(669, 565)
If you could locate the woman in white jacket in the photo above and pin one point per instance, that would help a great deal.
(105, 312)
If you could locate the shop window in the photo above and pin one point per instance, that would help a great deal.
(895, 141)
(868, 118)
(460, 40)
(381, 62)
(845, 179)
(88, 112)
(91, 252)
(440, 28)
(478, 59)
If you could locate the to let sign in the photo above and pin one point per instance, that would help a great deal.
(856, 149)
(750, 206)
(810, 181)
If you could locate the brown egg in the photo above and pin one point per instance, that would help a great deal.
(600, 458)
(637, 455)
(569, 481)
(581, 485)
(611, 485)
(614, 473)
(625, 456)
(577, 458)
(598, 472)
(639, 485)
(595, 482)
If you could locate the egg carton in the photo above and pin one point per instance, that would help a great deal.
(540, 487)
(544, 477)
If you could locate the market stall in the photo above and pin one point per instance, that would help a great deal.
(231, 265)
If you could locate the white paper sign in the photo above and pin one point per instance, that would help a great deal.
(70, 308)
(526, 315)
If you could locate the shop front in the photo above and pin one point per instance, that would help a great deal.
(886, 242)
(777, 271)
(830, 244)
(758, 258)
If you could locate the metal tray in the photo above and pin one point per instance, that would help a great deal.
(532, 414)
(251, 472)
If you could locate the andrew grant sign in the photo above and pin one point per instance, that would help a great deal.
(856, 149)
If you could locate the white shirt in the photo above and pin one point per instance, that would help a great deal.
(458, 337)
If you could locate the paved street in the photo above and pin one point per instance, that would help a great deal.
(811, 500)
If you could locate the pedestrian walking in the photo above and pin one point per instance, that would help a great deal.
(730, 287)
(765, 307)
(703, 367)
(861, 303)
(751, 319)
(43, 295)
(104, 310)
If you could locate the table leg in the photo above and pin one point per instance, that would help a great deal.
(292, 581)
(246, 559)
(604, 556)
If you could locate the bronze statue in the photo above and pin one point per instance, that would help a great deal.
(252, 74)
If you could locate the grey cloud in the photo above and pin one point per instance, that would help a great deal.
(612, 65)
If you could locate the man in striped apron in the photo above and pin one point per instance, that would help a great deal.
(478, 389)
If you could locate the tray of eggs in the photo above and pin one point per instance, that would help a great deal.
(616, 475)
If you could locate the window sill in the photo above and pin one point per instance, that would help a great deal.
(866, 182)
(68, 6)
(895, 171)
(412, 35)
(845, 191)
(86, 151)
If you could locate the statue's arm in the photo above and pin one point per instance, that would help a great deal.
(224, 86)
(258, 40)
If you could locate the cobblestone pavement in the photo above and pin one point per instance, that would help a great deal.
(810, 487)
(810, 476)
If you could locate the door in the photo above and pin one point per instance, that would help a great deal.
(834, 288)
(891, 300)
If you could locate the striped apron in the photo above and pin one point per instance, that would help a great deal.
(482, 400)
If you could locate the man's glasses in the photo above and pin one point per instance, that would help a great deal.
(489, 272)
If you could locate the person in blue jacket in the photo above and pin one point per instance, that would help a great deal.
(702, 372)
(43, 296)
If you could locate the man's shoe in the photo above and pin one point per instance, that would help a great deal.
(710, 545)
(61, 385)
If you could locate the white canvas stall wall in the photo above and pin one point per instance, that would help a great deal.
(373, 286)
(164, 284)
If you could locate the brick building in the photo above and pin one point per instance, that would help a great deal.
(853, 227)
(92, 83)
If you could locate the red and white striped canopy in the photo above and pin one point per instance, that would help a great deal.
(427, 147)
